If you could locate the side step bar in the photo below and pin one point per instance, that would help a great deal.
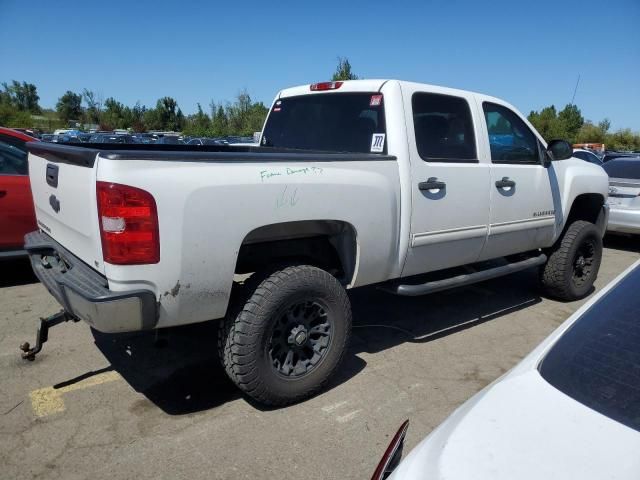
(466, 279)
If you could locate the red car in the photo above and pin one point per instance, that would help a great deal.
(17, 216)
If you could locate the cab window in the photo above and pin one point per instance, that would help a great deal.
(510, 139)
(443, 128)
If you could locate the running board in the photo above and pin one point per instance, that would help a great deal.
(465, 279)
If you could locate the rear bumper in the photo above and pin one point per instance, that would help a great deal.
(624, 220)
(84, 293)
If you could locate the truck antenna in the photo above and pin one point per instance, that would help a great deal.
(575, 90)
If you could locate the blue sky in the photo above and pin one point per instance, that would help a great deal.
(528, 52)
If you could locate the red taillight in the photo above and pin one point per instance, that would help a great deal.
(128, 225)
(316, 87)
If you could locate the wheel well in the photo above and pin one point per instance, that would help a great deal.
(327, 244)
(588, 206)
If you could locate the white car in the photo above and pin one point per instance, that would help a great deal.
(624, 195)
(569, 410)
(587, 156)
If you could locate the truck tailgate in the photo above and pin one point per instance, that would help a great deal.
(64, 195)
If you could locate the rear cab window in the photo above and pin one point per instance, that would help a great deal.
(330, 122)
(443, 128)
(597, 361)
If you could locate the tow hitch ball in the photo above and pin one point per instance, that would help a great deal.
(42, 336)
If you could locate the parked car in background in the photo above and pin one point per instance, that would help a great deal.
(17, 216)
(611, 155)
(587, 156)
(144, 138)
(170, 140)
(111, 138)
(29, 132)
(207, 141)
(242, 141)
(624, 194)
(84, 137)
(569, 410)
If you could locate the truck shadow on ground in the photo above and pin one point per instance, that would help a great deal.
(16, 272)
(382, 321)
(185, 376)
(629, 243)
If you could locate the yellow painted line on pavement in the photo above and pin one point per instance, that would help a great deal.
(47, 401)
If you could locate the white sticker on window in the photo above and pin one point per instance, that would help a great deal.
(377, 142)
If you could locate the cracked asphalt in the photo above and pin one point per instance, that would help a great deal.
(140, 406)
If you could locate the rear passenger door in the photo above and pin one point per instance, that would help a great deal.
(449, 184)
(522, 188)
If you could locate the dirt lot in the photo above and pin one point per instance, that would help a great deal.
(117, 407)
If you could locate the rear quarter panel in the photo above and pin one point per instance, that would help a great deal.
(206, 209)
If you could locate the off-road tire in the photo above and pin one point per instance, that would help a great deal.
(558, 274)
(245, 335)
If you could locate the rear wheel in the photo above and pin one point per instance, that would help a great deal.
(285, 340)
(574, 262)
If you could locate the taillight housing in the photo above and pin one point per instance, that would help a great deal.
(128, 220)
(392, 455)
(316, 87)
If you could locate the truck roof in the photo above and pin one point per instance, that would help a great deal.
(370, 85)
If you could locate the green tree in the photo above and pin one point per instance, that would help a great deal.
(590, 133)
(168, 115)
(219, 122)
(547, 123)
(136, 122)
(94, 106)
(23, 96)
(623, 140)
(343, 71)
(571, 121)
(198, 124)
(114, 115)
(69, 106)
(12, 117)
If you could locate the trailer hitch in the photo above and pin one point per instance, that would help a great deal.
(42, 336)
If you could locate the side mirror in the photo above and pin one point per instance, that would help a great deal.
(559, 150)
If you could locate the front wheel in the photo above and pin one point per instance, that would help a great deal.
(286, 340)
(574, 262)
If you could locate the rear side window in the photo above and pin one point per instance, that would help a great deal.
(443, 127)
(331, 122)
(13, 157)
(623, 169)
(510, 139)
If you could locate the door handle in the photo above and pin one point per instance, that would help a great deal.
(432, 183)
(505, 182)
(3, 193)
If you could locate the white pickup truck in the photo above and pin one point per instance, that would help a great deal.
(354, 183)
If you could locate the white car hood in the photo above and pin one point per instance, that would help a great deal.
(523, 428)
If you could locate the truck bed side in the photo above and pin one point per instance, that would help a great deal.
(210, 203)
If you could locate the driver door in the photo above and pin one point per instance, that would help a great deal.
(522, 198)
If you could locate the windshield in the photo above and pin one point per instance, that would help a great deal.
(623, 169)
(333, 122)
(597, 361)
